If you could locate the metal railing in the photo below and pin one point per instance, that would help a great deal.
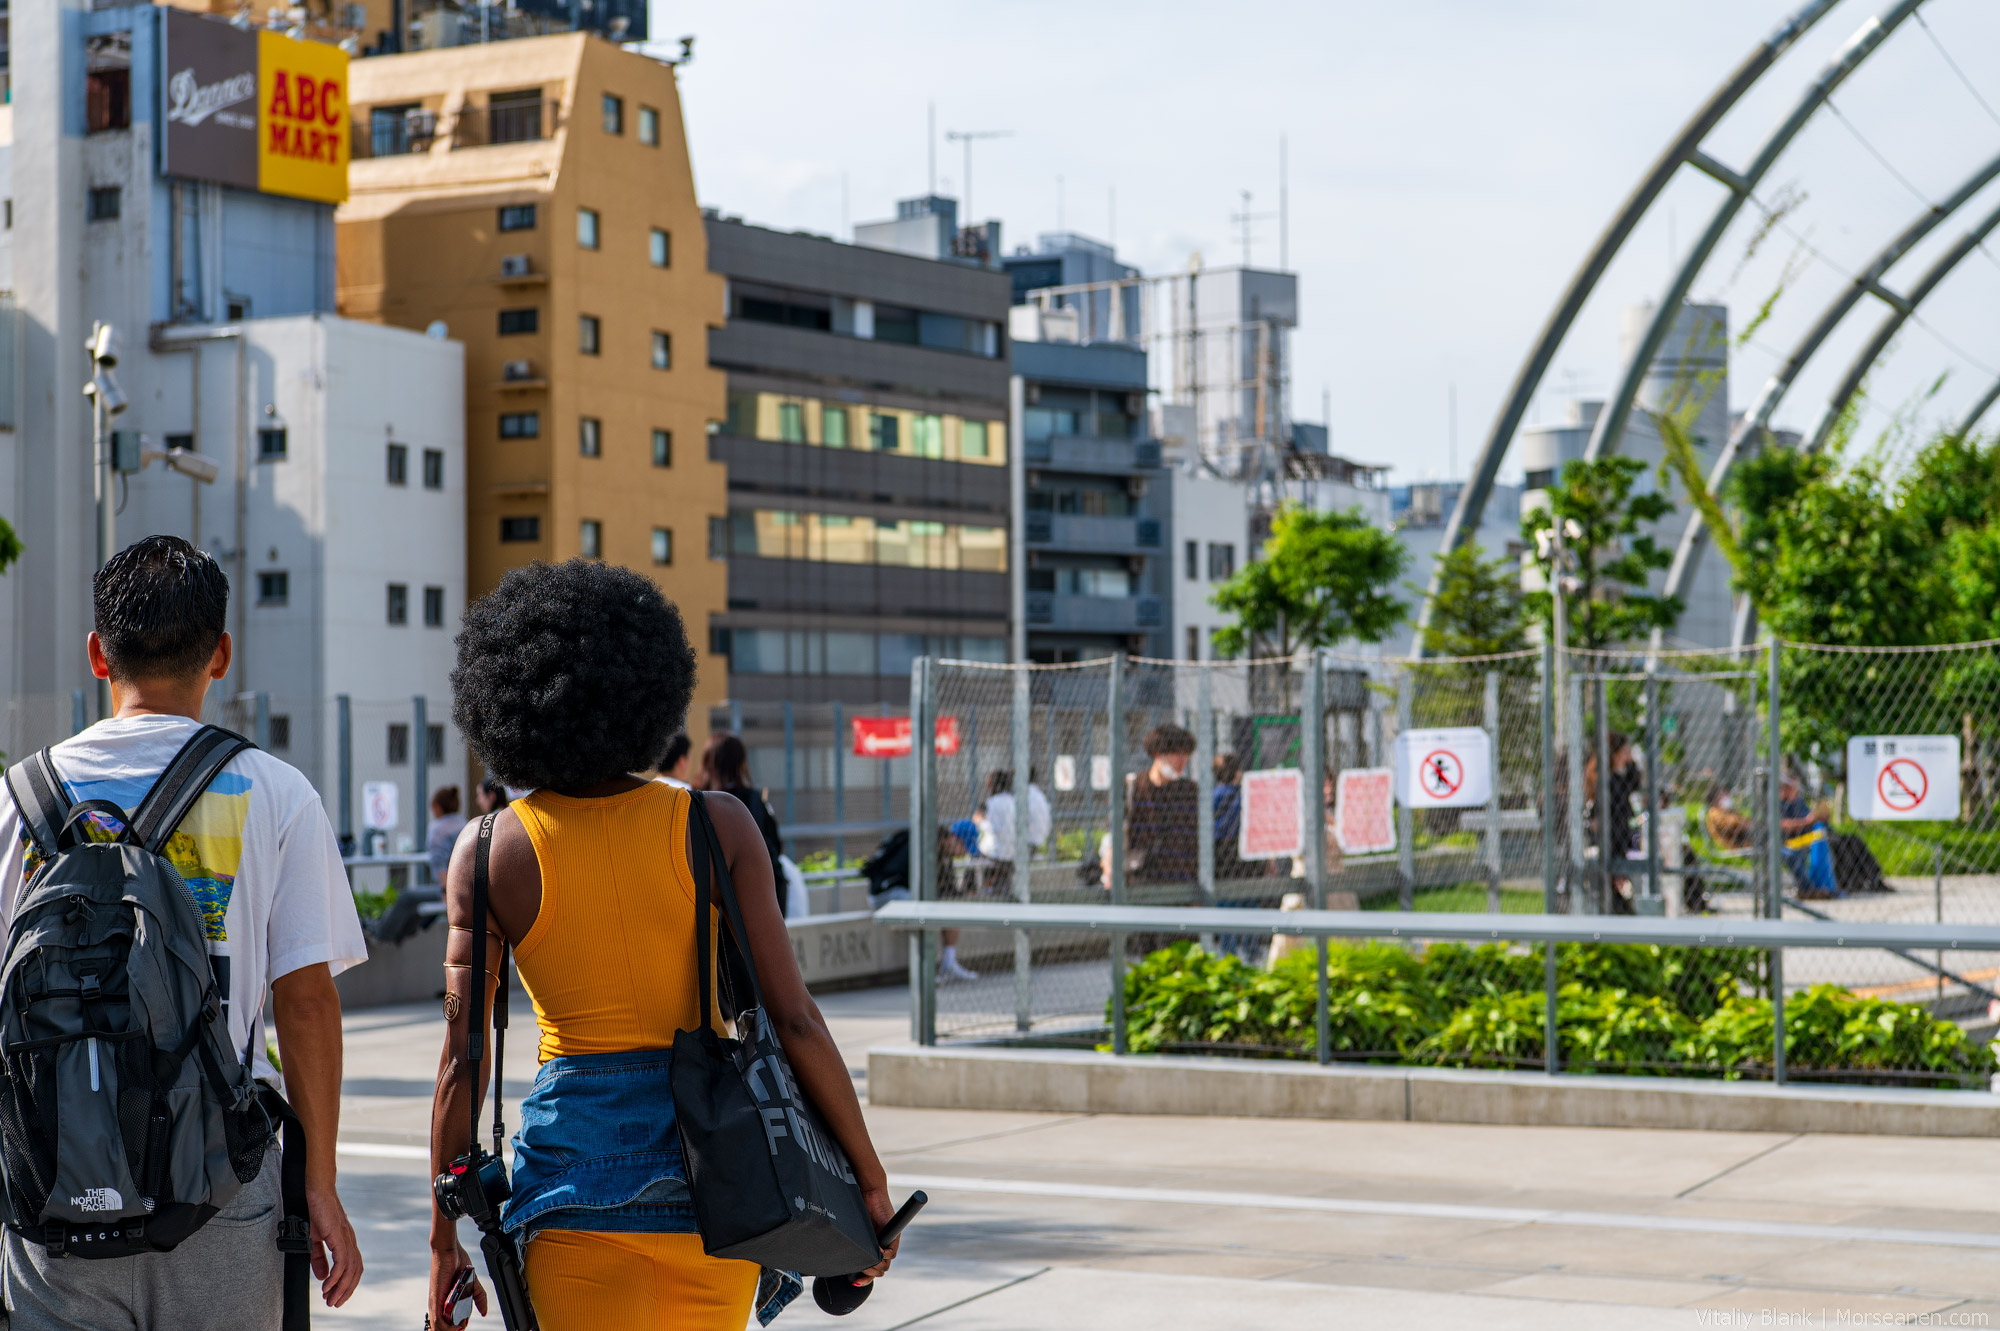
(1737, 963)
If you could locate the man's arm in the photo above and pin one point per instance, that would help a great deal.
(306, 1007)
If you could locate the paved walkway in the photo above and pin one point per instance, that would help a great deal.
(1041, 1220)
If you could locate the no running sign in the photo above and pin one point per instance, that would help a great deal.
(1444, 769)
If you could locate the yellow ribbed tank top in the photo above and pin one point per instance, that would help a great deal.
(610, 961)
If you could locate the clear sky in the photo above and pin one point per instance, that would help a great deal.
(1450, 162)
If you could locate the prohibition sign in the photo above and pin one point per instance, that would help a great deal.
(1442, 774)
(1902, 784)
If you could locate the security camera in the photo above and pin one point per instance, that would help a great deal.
(103, 345)
(192, 464)
(105, 391)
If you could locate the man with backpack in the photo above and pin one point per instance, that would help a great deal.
(157, 877)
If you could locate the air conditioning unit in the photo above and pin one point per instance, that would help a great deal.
(517, 369)
(514, 265)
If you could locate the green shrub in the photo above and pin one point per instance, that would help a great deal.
(1491, 1031)
(1600, 1030)
(1828, 1029)
(1182, 995)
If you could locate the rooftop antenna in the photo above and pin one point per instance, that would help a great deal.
(1247, 219)
(1284, 212)
(966, 137)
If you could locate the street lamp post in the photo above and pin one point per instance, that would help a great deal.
(106, 401)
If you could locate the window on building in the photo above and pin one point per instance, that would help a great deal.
(833, 426)
(106, 201)
(590, 539)
(434, 744)
(519, 321)
(885, 432)
(761, 303)
(895, 323)
(587, 332)
(389, 130)
(663, 545)
(107, 95)
(399, 464)
(649, 127)
(514, 117)
(1539, 480)
(274, 587)
(181, 441)
(718, 538)
(271, 443)
(521, 425)
(281, 732)
(399, 603)
(1221, 561)
(399, 743)
(927, 436)
(434, 469)
(1194, 561)
(586, 228)
(663, 448)
(433, 607)
(517, 217)
(614, 114)
(590, 437)
(528, 528)
(663, 351)
(659, 247)
(238, 308)
(792, 422)
(972, 439)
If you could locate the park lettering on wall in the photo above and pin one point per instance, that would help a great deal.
(256, 110)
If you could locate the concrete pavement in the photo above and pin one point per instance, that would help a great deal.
(1047, 1220)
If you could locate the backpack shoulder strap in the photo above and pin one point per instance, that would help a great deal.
(198, 763)
(38, 793)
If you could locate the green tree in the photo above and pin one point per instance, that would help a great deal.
(1611, 556)
(1479, 609)
(1324, 578)
(10, 545)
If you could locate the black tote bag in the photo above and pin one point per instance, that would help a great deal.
(769, 1182)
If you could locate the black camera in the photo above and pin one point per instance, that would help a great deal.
(476, 1185)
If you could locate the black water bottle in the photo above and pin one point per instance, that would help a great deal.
(839, 1295)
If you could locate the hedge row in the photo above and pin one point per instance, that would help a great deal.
(1623, 1008)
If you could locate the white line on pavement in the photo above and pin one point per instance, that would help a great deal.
(1515, 1215)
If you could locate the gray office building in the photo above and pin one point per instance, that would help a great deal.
(866, 443)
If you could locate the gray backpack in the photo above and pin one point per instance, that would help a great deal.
(126, 1120)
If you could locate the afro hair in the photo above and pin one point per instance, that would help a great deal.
(571, 674)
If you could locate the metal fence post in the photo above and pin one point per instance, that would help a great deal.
(1312, 773)
(1551, 1032)
(1773, 784)
(923, 848)
(1493, 793)
(1024, 846)
(888, 779)
(1114, 725)
(1546, 802)
(1406, 848)
(343, 709)
(791, 767)
(420, 771)
(78, 722)
(1579, 900)
(1655, 903)
(1602, 796)
(1204, 776)
(839, 796)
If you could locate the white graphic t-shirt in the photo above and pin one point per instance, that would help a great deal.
(256, 851)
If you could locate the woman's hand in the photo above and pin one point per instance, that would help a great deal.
(880, 1211)
(446, 1262)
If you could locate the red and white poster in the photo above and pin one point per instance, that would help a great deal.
(1273, 822)
(889, 736)
(1364, 810)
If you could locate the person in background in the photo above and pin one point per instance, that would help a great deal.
(1227, 801)
(1808, 856)
(953, 840)
(725, 766)
(1161, 812)
(673, 768)
(996, 826)
(491, 797)
(1727, 825)
(442, 834)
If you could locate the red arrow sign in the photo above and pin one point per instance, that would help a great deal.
(889, 736)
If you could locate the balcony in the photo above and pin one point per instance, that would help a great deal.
(505, 122)
(1104, 536)
(1094, 454)
(1094, 614)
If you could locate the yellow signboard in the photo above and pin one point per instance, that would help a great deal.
(302, 118)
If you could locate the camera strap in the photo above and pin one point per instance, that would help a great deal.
(475, 1036)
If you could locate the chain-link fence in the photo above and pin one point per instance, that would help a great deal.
(1618, 783)
(837, 775)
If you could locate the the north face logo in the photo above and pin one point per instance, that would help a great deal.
(99, 1199)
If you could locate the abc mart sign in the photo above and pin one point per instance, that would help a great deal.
(255, 110)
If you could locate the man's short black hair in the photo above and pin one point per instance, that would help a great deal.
(1168, 738)
(159, 607)
(677, 748)
(571, 674)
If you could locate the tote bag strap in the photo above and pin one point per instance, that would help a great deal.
(711, 865)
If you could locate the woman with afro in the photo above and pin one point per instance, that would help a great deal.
(570, 678)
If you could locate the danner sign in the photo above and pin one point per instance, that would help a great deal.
(256, 110)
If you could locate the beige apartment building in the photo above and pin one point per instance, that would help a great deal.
(534, 197)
